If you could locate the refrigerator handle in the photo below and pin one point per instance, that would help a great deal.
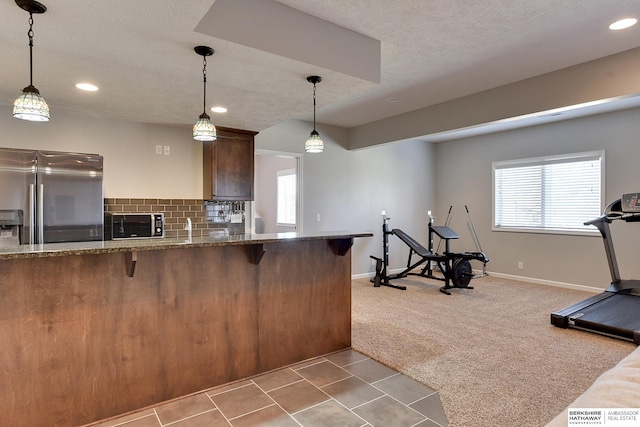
(40, 206)
(32, 213)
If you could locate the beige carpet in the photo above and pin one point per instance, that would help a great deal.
(490, 351)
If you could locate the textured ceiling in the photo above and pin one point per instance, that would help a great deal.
(140, 54)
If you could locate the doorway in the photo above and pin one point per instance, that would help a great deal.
(277, 192)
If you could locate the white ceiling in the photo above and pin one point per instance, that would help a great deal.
(140, 54)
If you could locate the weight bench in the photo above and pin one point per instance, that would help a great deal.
(418, 249)
(455, 267)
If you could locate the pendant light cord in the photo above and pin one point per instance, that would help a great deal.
(30, 34)
(204, 78)
(314, 106)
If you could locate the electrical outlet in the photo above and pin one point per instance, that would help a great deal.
(167, 150)
(317, 217)
(520, 265)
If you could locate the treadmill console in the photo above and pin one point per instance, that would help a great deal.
(631, 202)
(629, 205)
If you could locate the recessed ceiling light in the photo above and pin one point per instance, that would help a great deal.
(218, 109)
(87, 86)
(623, 23)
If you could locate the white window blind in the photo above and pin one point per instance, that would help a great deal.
(286, 209)
(549, 194)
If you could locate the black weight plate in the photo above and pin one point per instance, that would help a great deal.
(462, 273)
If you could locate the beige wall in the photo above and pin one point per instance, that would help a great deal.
(131, 167)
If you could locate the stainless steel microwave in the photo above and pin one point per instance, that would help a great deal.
(133, 226)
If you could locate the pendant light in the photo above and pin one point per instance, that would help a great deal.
(31, 105)
(204, 130)
(314, 144)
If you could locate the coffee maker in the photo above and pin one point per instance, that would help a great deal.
(10, 227)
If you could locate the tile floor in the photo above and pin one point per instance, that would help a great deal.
(345, 389)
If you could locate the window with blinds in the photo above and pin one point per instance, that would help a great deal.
(286, 206)
(554, 194)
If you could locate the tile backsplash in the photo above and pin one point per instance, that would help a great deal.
(207, 218)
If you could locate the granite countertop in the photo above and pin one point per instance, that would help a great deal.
(135, 245)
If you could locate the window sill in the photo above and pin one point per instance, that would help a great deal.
(594, 233)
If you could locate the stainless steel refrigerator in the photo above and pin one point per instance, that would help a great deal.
(60, 194)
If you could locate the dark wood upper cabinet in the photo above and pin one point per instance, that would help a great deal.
(227, 165)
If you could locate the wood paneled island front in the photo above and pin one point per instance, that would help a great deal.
(93, 330)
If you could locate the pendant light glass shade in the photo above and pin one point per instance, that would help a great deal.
(204, 130)
(31, 105)
(314, 143)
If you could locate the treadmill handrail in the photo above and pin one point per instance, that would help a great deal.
(602, 224)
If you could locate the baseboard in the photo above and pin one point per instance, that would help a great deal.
(508, 276)
(548, 282)
(373, 273)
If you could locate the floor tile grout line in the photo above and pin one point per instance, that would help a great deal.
(276, 403)
(337, 381)
(319, 361)
(422, 398)
(360, 361)
(352, 363)
(157, 417)
(373, 384)
(279, 387)
(350, 410)
(218, 408)
(132, 419)
(211, 392)
(331, 398)
(252, 412)
(397, 373)
(386, 378)
(367, 402)
(190, 416)
(391, 397)
(430, 419)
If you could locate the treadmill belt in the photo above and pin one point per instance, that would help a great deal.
(617, 315)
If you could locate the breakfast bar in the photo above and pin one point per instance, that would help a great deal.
(96, 329)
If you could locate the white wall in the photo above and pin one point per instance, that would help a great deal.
(131, 167)
(349, 189)
(463, 176)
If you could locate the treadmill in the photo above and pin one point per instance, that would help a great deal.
(616, 311)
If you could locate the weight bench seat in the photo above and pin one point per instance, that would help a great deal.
(413, 244)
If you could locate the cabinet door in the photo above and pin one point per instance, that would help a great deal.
(228, 165)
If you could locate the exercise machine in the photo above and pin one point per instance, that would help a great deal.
(455, 266)
(616, 311)
(477, 242)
